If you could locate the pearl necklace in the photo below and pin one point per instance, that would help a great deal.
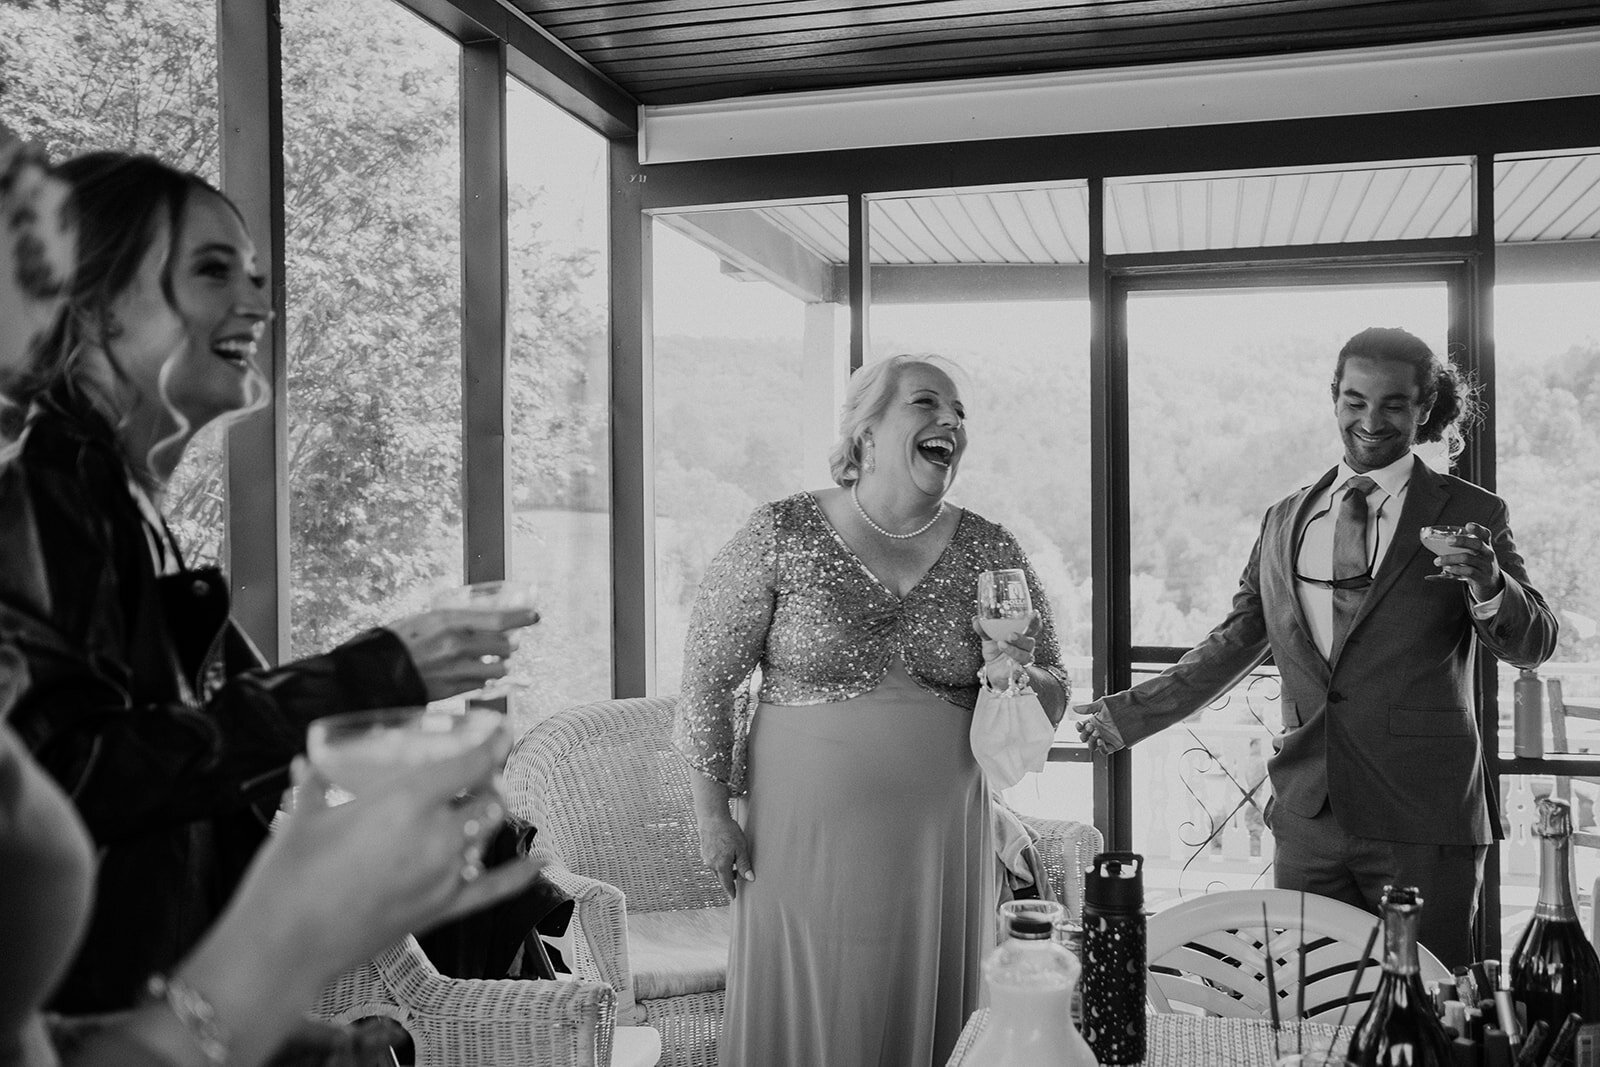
(856, 496)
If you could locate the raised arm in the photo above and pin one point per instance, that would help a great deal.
(1523, 631)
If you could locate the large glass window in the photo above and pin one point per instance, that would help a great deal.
(136, 77)
(1229, 410)
(559, 401)
(372, 192)
(1547, 443)
(750, 340)
(994, 280)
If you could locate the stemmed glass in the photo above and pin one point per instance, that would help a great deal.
(1436, 539)
(1003, 611)
(502, 595)
(1003, 603)
(357, 751)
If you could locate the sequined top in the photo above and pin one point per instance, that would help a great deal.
(788, 595)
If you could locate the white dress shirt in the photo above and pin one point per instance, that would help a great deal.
(1384, 503)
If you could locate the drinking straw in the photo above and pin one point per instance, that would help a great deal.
(1272, 981)
(1361, 968)
(1300, 984)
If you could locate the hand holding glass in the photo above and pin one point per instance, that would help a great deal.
(1438, 540)
(502, 595)
(357, 751)
(1004, 605)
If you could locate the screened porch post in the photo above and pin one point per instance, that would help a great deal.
(256, 538)
(632, 430)
(485, 287)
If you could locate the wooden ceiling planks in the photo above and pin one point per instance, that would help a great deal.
(675, 51)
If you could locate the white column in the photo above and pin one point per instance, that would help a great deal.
(823, 373)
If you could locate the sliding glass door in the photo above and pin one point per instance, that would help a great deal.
(1228, 409)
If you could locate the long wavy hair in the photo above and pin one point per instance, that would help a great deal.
(122, 206)
(1450, 392)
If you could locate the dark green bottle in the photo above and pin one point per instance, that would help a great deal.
(1554, 970)
(1400, 1028)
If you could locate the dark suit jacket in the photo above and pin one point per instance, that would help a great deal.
(1387, 730)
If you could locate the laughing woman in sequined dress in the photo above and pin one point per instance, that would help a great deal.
(862, 864)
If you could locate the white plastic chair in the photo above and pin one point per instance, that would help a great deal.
(1207, 957)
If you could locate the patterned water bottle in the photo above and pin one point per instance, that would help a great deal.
(1114, 957)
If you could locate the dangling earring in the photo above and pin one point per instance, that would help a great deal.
(871, 462)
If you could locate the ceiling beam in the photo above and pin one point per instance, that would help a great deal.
(1361, 81)
(747, 243)
(1547, 261)
(978, 283)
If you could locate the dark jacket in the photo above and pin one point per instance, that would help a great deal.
(147, 704)
(1387, 732)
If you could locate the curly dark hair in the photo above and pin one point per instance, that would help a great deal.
(1449, 391)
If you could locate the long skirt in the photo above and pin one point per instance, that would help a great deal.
(860, 940)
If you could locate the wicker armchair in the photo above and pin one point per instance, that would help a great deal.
(611, 799)
(467, 1022)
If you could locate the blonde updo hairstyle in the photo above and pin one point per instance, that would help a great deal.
(870, 392)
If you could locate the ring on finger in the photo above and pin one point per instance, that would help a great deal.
(471, 863)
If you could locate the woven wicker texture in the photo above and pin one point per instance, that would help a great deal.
(1067, 850)
(1209, 1041)
(1209, 954)
(610, 798)
(473, 1023)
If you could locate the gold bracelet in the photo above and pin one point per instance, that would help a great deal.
(195, 1013)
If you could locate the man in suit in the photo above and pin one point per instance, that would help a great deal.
(1378, 776)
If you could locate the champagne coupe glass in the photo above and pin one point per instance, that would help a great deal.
(502, 595)
(1003, 603)
(359, 750)
(1436, 539)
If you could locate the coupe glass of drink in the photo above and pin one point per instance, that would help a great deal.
(501, 595)
(1436, 539)
(357, 751)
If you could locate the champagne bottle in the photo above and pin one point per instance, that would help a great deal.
(1399, 1028)
(1554, 970)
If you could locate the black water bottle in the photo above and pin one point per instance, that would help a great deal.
(1114, 957)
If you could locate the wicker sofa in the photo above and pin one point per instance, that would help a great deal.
(611, 800)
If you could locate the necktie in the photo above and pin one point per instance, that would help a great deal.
(1350, 553)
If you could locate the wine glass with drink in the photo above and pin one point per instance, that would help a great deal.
(1440, 541)
(1004, 605)
(500, 595)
